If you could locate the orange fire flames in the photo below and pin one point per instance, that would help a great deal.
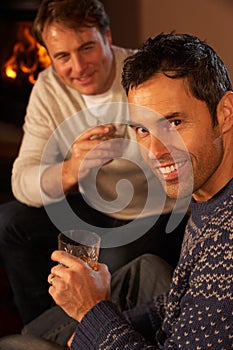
(28, 57)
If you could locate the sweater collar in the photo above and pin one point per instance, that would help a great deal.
(216, 201)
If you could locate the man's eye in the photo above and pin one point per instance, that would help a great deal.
(87, 48)
(175, 123)
(141, 132)
(63, 57)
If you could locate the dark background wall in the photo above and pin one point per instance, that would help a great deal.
(212, 20)
(125, 17)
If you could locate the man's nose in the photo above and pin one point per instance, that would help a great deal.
(78, 63)
(157, 148)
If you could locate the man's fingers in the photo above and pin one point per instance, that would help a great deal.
(95, 132)
(63, 258)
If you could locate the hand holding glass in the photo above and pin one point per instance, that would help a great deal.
(118, 131)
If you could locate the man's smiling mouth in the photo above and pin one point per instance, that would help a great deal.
(85, 77)
(165, 170)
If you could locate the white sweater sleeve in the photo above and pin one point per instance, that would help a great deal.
(49, 105)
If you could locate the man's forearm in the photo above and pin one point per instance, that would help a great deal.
(57, 180)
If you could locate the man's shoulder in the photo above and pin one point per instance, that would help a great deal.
(47, 74)
(48, 82)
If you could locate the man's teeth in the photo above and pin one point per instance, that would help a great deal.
(169, 169)
(83, 77)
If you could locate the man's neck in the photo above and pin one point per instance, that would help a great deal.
(214, 185)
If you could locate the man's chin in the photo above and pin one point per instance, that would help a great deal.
(175, 191)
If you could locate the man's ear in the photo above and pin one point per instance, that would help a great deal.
(108, 35)
(225, 112)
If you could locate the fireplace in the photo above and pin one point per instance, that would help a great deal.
(21, 58)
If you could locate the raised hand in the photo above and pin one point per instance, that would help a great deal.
(92, 149)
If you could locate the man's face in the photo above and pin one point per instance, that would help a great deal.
(178, 141)
(83, 59)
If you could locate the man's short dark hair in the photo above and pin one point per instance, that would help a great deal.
(180, 56)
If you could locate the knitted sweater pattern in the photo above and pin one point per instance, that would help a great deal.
(198, 312)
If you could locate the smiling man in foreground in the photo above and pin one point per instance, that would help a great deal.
(189, 136)
(183, 80)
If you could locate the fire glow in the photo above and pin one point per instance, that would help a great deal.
(28, 57)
